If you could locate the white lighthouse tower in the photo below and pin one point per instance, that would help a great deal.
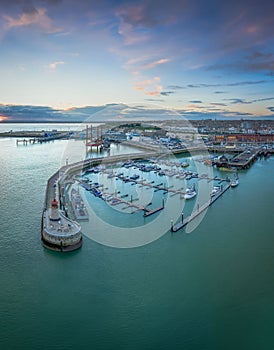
(54, 211)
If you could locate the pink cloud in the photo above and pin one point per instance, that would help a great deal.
(156, 92)
(150, 87)
(156, 63)
(139, 88)
(130, 36)
(38, 17)
(132, 18)
(252, 29)
(53, 65)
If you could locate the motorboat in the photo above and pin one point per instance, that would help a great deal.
(135, 177)
(234, 182)
(215, 190)
(190, 193)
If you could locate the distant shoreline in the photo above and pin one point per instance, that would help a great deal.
(271, 118)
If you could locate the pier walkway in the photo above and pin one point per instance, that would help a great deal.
(184, 222)
(113, 199)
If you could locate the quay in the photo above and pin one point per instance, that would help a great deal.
(245, 159)
(184, 222)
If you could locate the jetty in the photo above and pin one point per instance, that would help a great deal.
(37, 136)
(114, 199)
(198, 211)
(129, 204)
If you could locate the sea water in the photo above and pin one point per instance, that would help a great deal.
(210, 289)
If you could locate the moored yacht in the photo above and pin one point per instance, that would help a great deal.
(190, 193)
(215, 190)
(234, 182)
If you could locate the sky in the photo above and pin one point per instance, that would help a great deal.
(69, 59)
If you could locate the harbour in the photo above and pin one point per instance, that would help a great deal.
(57, 184)
(125, 200)
(228, 257)
(137, 162)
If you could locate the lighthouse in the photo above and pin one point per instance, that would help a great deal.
(54, 212)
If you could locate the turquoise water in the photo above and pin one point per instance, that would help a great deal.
(211, 289)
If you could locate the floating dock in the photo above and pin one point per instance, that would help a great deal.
(129, 204)
(184, 222)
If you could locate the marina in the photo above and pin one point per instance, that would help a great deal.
(117, 181)
(137, 163)
(228, 254)
(73, 207)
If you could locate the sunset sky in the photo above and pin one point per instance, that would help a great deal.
(210, 58)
